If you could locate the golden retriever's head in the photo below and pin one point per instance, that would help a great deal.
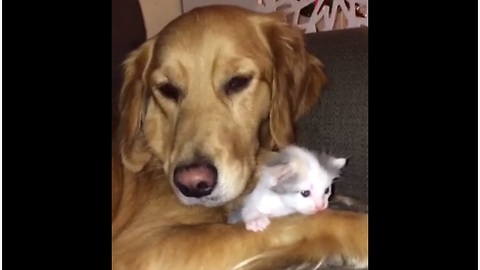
(212, 87)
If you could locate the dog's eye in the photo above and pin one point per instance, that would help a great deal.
(169, 91)
(236, 84)
(327, 190)
(305, 193)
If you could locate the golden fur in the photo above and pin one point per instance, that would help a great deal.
(153, 225)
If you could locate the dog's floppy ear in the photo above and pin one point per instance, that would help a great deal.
(298, 79)
(133, 106)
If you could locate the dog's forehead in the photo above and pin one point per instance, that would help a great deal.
(202, 37)
(205, 48)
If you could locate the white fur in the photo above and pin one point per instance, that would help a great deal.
(339, 162)
(263, 203)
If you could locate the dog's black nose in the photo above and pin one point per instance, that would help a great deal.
(195, 179)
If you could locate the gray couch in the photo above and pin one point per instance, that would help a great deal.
(339, 123)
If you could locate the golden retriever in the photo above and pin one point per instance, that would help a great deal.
(203, 102)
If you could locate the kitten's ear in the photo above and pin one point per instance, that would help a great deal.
(338, 163)
(286, 184)
(278, 167)
(331, 163)
(282, 158)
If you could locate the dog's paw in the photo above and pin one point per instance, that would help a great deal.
(345, 243)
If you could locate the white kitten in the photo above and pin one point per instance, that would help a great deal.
(295, 181)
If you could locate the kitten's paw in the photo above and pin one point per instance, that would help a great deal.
(258, 224)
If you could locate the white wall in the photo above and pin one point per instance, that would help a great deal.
(190, 4)
(158, 13)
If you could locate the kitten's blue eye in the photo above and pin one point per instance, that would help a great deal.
(305, 193)
(327, 190)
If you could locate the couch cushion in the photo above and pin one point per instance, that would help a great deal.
(339, 123)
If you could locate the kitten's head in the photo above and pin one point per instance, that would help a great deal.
(303, 179)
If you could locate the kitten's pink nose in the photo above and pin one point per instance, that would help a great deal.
(320, 206)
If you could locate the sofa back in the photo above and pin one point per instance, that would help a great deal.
(339, 123)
